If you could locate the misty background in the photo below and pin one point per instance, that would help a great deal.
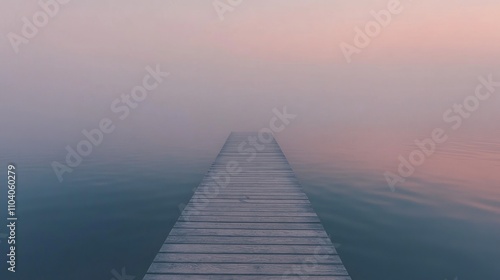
(228, 75)
(353, 121)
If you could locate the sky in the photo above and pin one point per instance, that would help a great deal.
(229, 74)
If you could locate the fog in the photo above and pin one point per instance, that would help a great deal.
(229, 74)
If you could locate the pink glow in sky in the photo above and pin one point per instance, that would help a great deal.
(228, 74)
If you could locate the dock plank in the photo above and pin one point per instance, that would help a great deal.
(241, 268)
(241, 240)
(243, 258)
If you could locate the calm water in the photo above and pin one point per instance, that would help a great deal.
(115, 210)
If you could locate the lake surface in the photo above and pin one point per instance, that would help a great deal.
(115, 210)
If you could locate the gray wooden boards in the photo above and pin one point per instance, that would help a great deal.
(248, 219)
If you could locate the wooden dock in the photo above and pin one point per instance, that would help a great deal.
(248, 220)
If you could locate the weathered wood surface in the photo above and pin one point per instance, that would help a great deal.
(248, 220)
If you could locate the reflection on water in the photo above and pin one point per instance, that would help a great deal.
(443, 222)
(116, 209)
